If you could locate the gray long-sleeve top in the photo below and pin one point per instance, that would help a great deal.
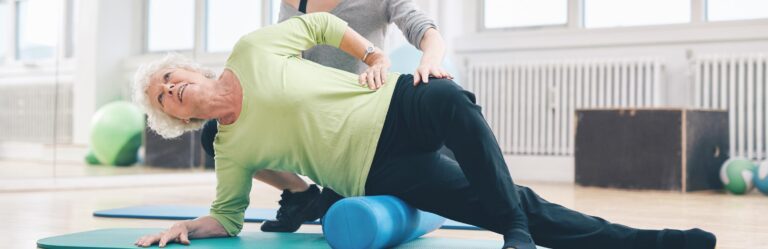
(370, 18)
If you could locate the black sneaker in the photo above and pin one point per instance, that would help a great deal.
(326, 199)
(295, 209)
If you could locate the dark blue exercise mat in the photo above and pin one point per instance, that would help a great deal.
(124, 238)
(178, 212)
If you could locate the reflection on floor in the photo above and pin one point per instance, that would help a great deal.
(739, 221)
(19, 160)
(15, 169)
(31, 175)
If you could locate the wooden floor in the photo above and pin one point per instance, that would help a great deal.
(738, 221)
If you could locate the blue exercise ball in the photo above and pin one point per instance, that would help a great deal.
(761, 177)
(405, 59)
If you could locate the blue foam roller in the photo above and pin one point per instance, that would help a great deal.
(375, 222)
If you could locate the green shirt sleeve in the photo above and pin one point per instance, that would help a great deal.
(232, 195)
(299, 33)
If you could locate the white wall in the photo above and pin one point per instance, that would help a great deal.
(107, 32)
(675, 45)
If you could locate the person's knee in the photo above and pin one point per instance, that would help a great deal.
(443, 85)
(525, 192)
(208, 135)
(455, 90)
(445, 91)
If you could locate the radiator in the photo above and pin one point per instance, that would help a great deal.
(31, 112)
(736, 83)
(530, 105)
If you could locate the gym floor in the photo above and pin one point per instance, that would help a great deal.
(738, 221)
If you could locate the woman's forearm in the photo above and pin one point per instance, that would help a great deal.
(355, 45)
(282, 180)
(433, 46)
(378, 63)
(205, 227)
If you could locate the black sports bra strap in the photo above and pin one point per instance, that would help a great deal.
(303, 6)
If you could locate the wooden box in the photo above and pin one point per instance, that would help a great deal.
(662, 149)
(184, 151)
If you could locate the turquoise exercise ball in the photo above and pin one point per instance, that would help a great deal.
(737, 175)
(761, 177)
(405, 59)
(116, 130)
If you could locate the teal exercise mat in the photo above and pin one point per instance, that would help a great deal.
(124, 238)
(180, 212)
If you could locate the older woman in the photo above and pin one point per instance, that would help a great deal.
(280, 112)
(300, 201)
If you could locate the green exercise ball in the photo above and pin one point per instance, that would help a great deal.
(116, 130)
(91, 159)
(737, 175)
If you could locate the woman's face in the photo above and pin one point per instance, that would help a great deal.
(177, 92)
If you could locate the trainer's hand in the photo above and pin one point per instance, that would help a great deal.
(177, 233)
(376, 74)
(427, 68)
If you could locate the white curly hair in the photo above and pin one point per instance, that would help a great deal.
(157, 120)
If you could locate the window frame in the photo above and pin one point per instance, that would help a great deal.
(64, 54)
(575, 20)
(690, 19)
(569, 15)
(705, 15)
(199, 46)
(145, 28)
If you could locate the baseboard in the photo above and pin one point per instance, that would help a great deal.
(101, 182)
(524, 168)
(541, 168)
(24, 151)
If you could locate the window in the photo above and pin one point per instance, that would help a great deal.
(175, 25)
(171, 25)
(615, 13)
(524, 13)
(726, 10)
(228, 20)
(275, 11)
(38, 28)
(3, 29)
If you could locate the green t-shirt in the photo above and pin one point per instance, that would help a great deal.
(297, 116)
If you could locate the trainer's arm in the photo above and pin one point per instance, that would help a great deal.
(378, 63)
(421, 31)
(434, 49)
(299, 33)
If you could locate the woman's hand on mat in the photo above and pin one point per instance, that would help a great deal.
(429, 67)
(376, 74)
(178, 233)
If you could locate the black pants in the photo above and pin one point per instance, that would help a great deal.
(476, 188)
